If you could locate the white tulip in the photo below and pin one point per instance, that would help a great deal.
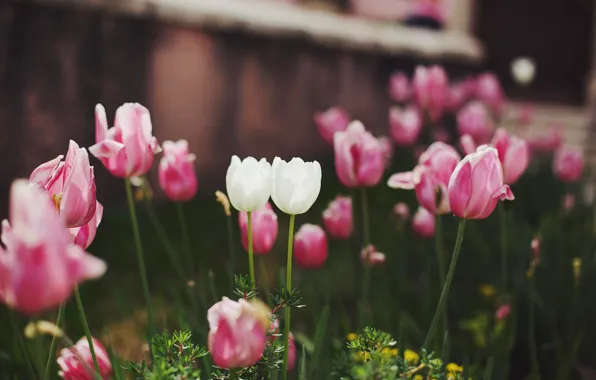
(248, 183)
(296, 185)
(523, 70)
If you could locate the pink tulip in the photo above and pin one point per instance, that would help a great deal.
(549, 141)
(475, 121)
(399, 87)
(514, 153)
(488, 90)
(503, 312)
(70, 184)
(405, 125)
(468, 145)
(402, 210)
(535, 246)
(83, 236)
(337, 218)
(370, 256)
(568, 164)
(360, 158)
(39, 266)
(177, 176)
(70, 364)
(430, 87)
(237, 333)
(291, 352)
(333, 120)
(476, 184)
(458, 94)
(264, 229)
(423, 223)
(430, 177)
(310, 246)
(127, 149)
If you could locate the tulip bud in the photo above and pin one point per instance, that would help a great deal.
(370, 256)
(430, 87)
(474, 120)
(70, 358)
(296, 184)
(310, 246)
(248, 183)
(503, 312)
(337, 218)
(360, 158)
(568, 164)
(399, 87)
(488, 91)
(264, 229)
(514, 154)
(333, 120)
(535, 245)
(405, 125)
(423, 223)
(568, 202)
(237, 333)
(177, 176)
(476, 184)
(402, 210)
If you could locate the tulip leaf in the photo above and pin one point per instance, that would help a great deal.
(319, 338)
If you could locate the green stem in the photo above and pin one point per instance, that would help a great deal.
(366, 240)
(447, 285)
(288, 289)
(140, 258)
(532, 331)
(365, 223)
(441, 262)
(21, 343)
(263, 269)
(231, 252)
(185, 237)
(503, 227)
(85, 324)
(52, 354)
(251, 257)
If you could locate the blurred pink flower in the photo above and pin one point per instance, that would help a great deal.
(264, 229)
(423, 223)
(177, 176)
(459, 93)
(387, 149)
(127, 149)
(40, 266)
(405, 124)
(430, 87)
(333, 120)
(371, 256)
(467, 143)
(476, 185)
(503, 312)
(568, 202)
(434, 9)
(399, 87)
(310, 246)
(525, 115)
(360, 158)
(473, 119)
(70, 184)
(550, 141)
(237, 333)
(402, 210)
(568, 164)
(337, 218)
(535, 246)
(514, 154)
(488, 90)
(70, 364)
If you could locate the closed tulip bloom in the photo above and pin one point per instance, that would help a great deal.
(296, 185)
(535, 246)
(488, 90)
(39, 266)
(264, 229)
(568, 164)
(514, 153)
(402, 210)
(399, 87)
(360, 158)
(405, 125)
(83, 236)
(503, 312)
(248, 183)
(70, 184)
(127, 149)
(177, 176)
(476, 184)
(337, 218)
(423, 223)
(70, 364)
(468, 145)
(475, 121)
(371, 256)
(310, 246)
(431, 89)
(333, 120)
(237, 332)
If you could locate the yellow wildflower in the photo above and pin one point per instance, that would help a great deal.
(362, 356)
(454, 368)
(487, 290)
(351, 336)
(388, 352)
(411, 356)
(418, 377)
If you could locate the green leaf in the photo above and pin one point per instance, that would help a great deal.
(319, 339)
(302, 369)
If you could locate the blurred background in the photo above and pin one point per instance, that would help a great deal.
(246, 77)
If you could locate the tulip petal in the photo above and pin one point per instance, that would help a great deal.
(82, 265)
(504, 193)
(77, 206)
(106, 149)
(460, 188)
(42, 174)
(101, 123)
(403, 180)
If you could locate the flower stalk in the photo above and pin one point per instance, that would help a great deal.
(288, 288)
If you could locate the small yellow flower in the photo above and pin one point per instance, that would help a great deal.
(411, 356)
(487, 290)
(418, 377)
(388, 352)
(362, 356)
(454, 368)
(351, 336)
